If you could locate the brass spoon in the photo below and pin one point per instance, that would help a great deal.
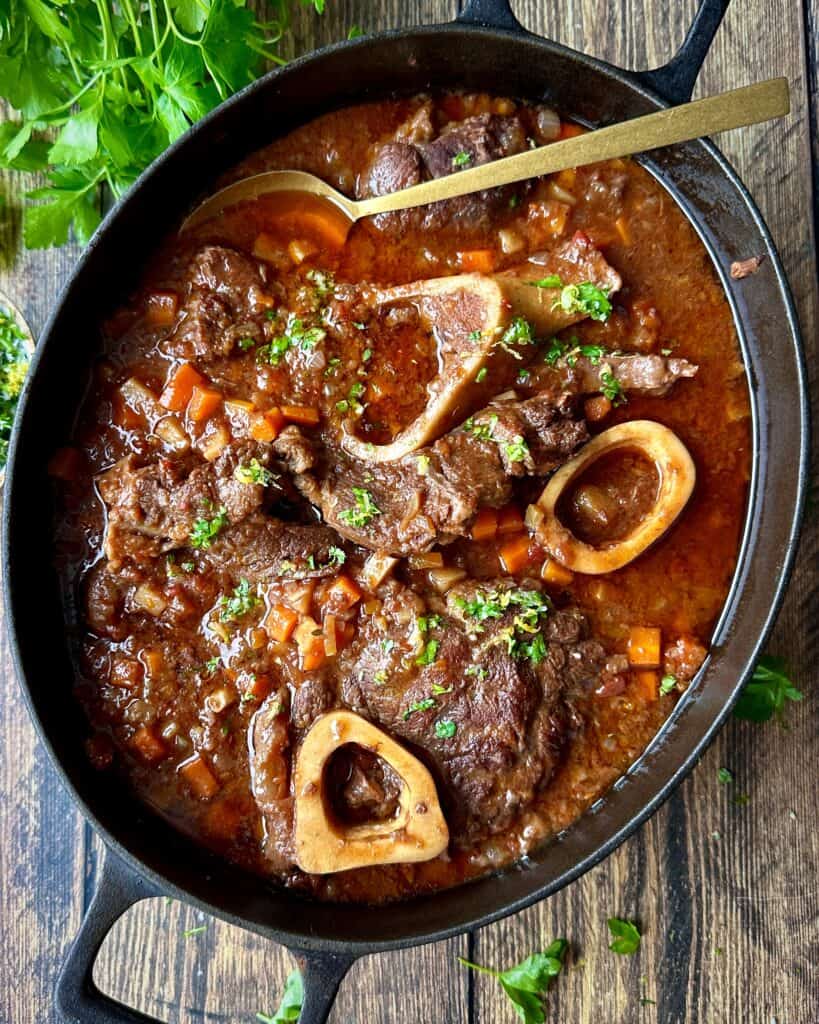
(751, 104)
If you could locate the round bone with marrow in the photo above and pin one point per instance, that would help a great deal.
(418, 832)
(677, 476)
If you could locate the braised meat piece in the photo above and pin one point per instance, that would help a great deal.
(226, 298)
(476, 140)
(486, 709)
(153, 508)
(432, 495)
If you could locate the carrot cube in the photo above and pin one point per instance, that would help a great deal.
(647, 684)
(259, 686)
(179, 387)
(343, 594)
(480, 261)
(515, 555)
(486, 524)
(203, 404)
(570, 131)
(644, 643)
(280, 623)
(148, 745)
(196, 772)
(597, 408)
(509, 520)
(306, 415)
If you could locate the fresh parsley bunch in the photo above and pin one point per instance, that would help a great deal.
(101, 89)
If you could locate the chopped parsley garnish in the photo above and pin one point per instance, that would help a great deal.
(206, 530)
(724, 777)
(519, 332)
(552, 281)
(332, 365)
(445, 729)
(335, 556)
(626, 936)
(295, 335)
(366, 355)
(611, 388)
(517, 449)
(423, 465)
(211, 665)
(254, 473)
(188, 566)
(323, 281)
(380, 677)
(667, 684)
(570, 350)
(526, 984)
(514, 201)
(429, 653)
(475, 335)
(476, 670)
(365, 511)
(291, 1004)
(765, 695)
(438, 690)
(522, 638)
(481, 431)
(195, 931)
(427, 704)
(461, 159)
(13, 369)
(387, 646)
(241, 601)
(427, 622)
(480, 376)
(523, 376)
(246, 343)
(586, 299)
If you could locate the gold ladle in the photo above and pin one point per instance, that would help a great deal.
(751, 104)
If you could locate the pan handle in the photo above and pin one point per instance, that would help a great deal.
(79, 1001)
(673, 81)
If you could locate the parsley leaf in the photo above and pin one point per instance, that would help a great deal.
(626, 936)
(552, 281)
(253, 473)
(240, 602)
(519, 332)
(427, 704)
(445, 729)
(462, 159)
(526, 984)
(586, 299)
(611, 388)
(517, 449)
(365, 511)
(667, 684)
(764, 696)
(724, 777)
(429, 653)
(103, 89)
(206, 530)
(290, 1006)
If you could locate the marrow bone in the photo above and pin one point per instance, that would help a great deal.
(677, 475)
(417, 833)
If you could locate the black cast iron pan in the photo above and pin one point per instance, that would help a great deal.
(486, 49)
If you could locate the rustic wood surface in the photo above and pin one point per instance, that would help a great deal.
(726, 893)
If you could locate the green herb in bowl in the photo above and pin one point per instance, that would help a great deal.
(15, 350)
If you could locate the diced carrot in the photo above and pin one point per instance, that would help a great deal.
(345, 631)
(343, 593)
(622, 230)
(480, 261)
(199, 777)
(258, 687)
(66, 464)
(153, 661)
(160, 308)
(567, 178)
(149, 746)
(261, 429)
(125, 673)
(280, 622)
(647, 684)
(554, 572)
(644, 646)
(125, 416)
(515, 555)
(306, 415)
(597, 408)
(570, 131)
(203, 404)
(179, 387)
(486, 524)
(313, 654)
(509, 520)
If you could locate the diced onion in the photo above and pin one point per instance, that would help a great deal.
(299, 596)
(428, 560)
(533, 517)
(443, 579)
(330, 648)
(170, 432)
(510, 241)
(215, 443)
(218, 700)
(376, 569)
(555, 191)
(149, 599)
(139, 398)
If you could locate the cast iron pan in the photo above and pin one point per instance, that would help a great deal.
(486, 49)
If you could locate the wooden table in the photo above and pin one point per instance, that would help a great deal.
(726, 893)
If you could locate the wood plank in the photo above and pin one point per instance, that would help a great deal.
(706, 875)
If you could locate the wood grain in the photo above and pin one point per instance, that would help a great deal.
(726, 894)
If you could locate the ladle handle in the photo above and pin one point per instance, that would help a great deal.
(751, 104)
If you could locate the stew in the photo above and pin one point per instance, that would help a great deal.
(384, 557)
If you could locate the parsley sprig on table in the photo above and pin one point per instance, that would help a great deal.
(100, 90)
(765, 695)
(290, 1006)
(526, 984)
